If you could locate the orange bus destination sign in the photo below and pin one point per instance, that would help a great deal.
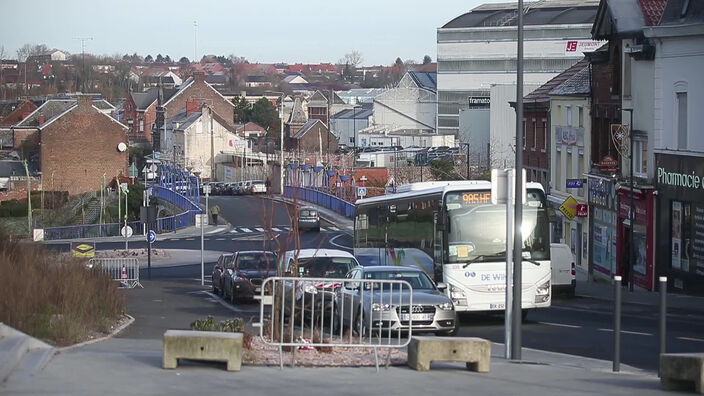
(476, 197)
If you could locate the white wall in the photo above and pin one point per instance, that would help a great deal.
(502, 120)
(407, 108)
(197, 143)
(678, 65)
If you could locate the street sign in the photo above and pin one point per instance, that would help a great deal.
(151, 236)
(569, 207)
(582, 210)
(157, 155)
(574, 183)
(126, 230)
(123, 187)
(361, 191)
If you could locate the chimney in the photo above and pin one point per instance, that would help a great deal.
(42, 119)
(198, 76)
(85, 102)
(191, 106)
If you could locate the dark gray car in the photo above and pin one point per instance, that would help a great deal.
(308, 219)
(249, 269)
(432, 310)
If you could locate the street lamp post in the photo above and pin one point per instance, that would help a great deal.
(631, 209)
(354, 132)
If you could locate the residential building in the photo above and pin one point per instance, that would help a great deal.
(478, 49)
(188, 137)
(568, 150)
(318, 105)
(196, 89)
(296, 121)
(314, 137)
(250, 130)
(140, 114)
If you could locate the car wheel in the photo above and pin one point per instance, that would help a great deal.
(360, 326)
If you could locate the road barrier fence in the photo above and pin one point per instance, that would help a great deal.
(123, 270)
(315, 312)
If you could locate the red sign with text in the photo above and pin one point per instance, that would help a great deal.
(582, 210)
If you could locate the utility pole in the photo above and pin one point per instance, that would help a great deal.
(195, 41)
(29, 199)
(518, 209)
(83, 55)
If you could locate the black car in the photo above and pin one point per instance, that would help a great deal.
(249, 269)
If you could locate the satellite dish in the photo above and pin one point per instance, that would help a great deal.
(121, 147)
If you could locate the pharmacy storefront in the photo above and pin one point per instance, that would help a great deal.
(680, 221)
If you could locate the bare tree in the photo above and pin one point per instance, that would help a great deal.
(28, 50)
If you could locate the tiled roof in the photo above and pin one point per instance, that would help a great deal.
(49, 110)
(542, 93)
(142, 100)
(181, 121)
(577, 85)
(652, 10)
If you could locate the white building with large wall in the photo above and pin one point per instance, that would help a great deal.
(411, 105)
(477, 50)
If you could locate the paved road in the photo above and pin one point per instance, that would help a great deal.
(580, 326)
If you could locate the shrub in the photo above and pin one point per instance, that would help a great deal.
(53, 297)
(235, 325)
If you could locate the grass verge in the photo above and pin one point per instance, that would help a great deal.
(52, 297)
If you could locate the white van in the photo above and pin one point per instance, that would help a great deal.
(563, 269)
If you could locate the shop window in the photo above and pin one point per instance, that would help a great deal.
(681, 245)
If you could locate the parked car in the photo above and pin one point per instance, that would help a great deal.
(308, 219)
(315, 263)
(563, 277)
(220, 271)
(432, 310)
(231, 188)
(258, 187)
(218, 188)
(249, 269)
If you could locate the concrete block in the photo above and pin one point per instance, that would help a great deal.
(682, 371)
(202, 345)
(475, 352)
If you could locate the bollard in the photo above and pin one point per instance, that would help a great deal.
(663, 316)
(617, 324)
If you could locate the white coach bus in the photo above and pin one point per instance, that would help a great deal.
(457, 236)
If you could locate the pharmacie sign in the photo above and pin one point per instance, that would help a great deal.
(690, 179)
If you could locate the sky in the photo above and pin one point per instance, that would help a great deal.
(307, 31)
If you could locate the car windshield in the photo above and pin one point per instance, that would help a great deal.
(308, 213)
(257, 182)
(418, 280)
(325, 267)
(256, 261)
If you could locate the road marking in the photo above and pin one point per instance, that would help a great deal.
(190, 239)
(245, 229)
(222, 302)
(690, 339)
(220, 239)
(205, 279)
(628, 332)
(175, 239)
(322, 229)
(332, 242)
(259, 229)
(276, 229)
(334, 228)
(561, 325)
(233, 239)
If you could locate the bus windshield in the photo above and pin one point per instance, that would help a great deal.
(476, 229)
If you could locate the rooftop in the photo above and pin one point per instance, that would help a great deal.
(557, 12)
(542, 93)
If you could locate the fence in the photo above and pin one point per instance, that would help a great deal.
(378, 310)
(164, 224)
(123, 270)
(321, 198)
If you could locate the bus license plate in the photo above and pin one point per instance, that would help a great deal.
(426, 316)
(257, 289)
(497, 306)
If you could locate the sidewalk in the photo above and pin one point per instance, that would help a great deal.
(604, 290)
(131, 364)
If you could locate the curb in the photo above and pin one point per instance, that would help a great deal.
(130, 320)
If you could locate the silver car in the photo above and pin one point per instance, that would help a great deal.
(432, 310)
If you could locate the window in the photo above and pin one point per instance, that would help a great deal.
(681, 108)
(545, 134)
(558, 171)
(640, 158)
(535, 134)
(141, 125)
(581, 117)
(568, 110)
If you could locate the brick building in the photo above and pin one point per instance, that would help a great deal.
(199, 92)
(140, 114)
(313, 136)
(74, 143)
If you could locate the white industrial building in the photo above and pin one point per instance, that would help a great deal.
(477, 51)
(411, 105)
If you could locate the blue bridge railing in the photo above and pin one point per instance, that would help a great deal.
(320, 198)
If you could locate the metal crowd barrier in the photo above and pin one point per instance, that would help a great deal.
(123, 270)
(314, 312)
